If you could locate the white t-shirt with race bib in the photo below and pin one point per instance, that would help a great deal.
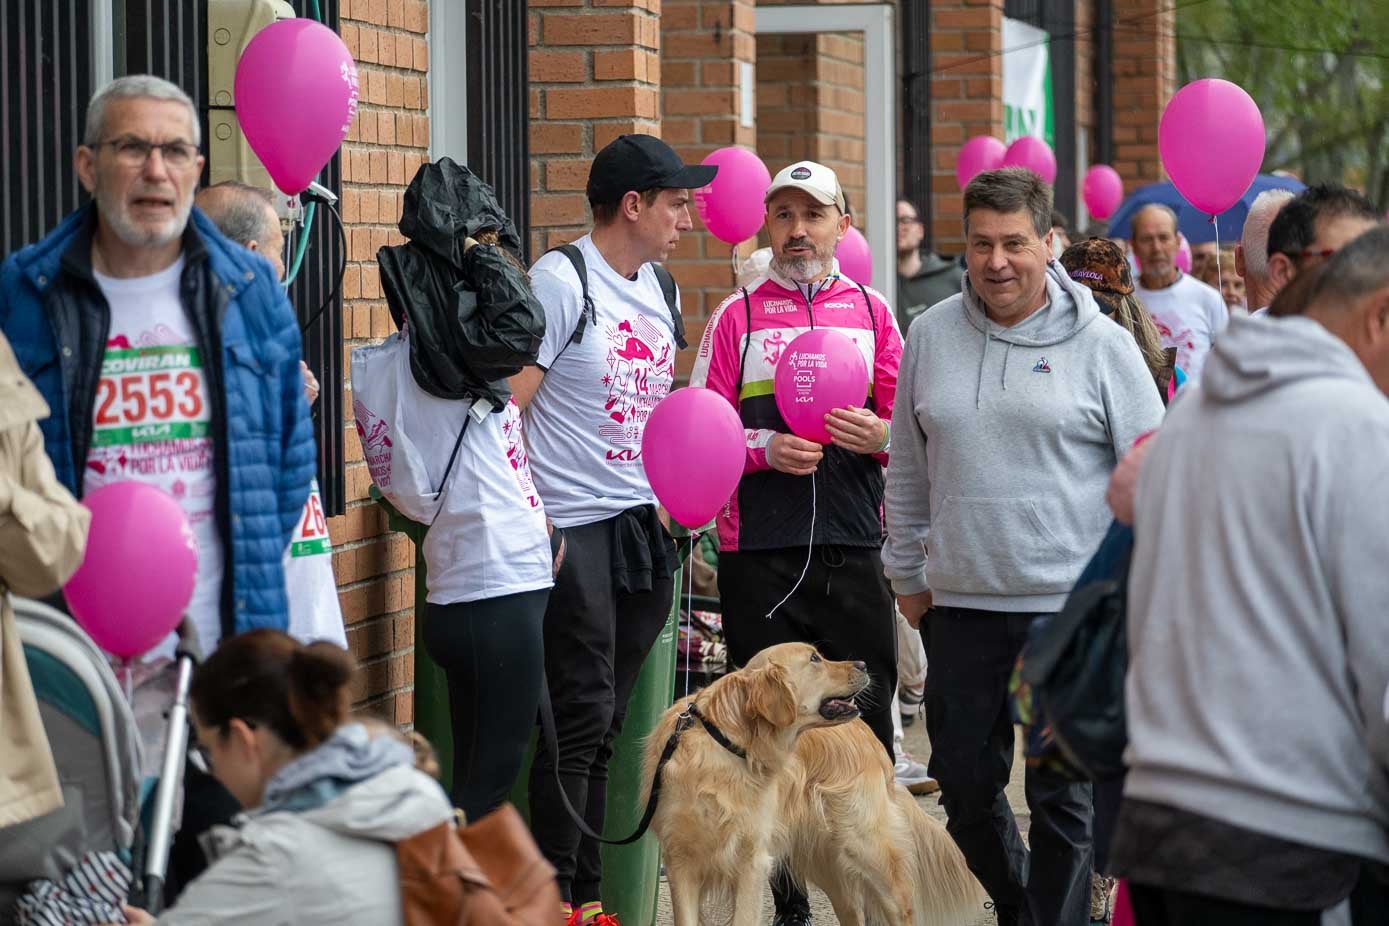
(153, 422)
(314, 611)
(584, 426)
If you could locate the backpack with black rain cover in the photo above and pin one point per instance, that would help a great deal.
(1076, 666)
(473, 320)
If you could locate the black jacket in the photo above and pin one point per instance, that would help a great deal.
(473, 320)
(937, 280)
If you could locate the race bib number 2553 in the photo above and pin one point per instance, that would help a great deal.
(150, 394)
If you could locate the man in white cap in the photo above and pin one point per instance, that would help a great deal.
(800, 540)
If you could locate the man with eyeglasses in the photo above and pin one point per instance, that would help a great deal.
(923, 277)
(1313, 226)
(169, 355)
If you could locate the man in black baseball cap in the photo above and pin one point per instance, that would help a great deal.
(640, 164)
(612, 329)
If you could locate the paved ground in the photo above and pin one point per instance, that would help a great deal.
(820, 907)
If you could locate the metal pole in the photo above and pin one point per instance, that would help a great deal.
(171, 772)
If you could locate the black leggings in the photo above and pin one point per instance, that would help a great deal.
(493, 654)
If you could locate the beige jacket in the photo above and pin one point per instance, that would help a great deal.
(43, 532)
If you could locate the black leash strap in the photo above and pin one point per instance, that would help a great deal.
(682, 723)
(547, 730)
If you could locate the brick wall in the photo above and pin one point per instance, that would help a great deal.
(1085, 69)
(703, 45)
(810, 105)
(1145, 71)
(966, 100)
(595, 73)
(840, 134)
(788, 99)
(386, 145)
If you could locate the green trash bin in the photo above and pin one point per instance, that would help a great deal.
(431, 687)
(631, 874)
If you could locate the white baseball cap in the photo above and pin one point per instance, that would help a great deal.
(816, 179)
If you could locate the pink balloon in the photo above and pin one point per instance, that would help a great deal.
(1183, 258)
(1103, 190)
(819, 371)
(1211, 139)
(855, 260)
(980, 153)
(296, 97)
(731, 205)
(1034, 154)
(138, 573)
(693, 450)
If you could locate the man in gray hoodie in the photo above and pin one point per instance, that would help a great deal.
(1016, 400)
(1259, 619)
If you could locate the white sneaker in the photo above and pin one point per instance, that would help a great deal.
(911, 774)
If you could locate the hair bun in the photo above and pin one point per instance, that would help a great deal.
(320, 674)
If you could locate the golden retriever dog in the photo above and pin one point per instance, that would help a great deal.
(815, 790)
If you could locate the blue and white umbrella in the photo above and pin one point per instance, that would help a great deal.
(1196, 226)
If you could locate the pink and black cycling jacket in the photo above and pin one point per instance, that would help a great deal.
(737, 358)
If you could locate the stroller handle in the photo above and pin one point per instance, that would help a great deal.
(187, 654)
(189, 643)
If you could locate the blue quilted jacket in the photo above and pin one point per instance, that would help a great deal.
(55, 317)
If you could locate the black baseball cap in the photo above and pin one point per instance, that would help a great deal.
(637, 163)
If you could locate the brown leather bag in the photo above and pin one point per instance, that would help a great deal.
(488, 873)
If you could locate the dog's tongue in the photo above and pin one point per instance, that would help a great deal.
(836, 708)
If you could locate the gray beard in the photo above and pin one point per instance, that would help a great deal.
(801, 269)
(132, 234)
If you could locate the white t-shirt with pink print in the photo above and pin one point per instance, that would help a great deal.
(489, 538)
(585, 424)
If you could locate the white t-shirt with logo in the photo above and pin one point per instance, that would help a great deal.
(1189, 314)
(584, 425)
(153, 422)
(314, 611)
(489, 538)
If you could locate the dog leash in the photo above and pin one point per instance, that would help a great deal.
(688, 718)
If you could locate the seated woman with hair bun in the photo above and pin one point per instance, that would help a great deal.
(326, 801)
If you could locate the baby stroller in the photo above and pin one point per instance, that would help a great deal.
(109, 803)
(701, 655)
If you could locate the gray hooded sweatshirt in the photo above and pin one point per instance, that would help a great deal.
(1259, 594)
(320, 851)
(1003, 440)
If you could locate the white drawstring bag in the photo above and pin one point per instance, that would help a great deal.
(410, 438)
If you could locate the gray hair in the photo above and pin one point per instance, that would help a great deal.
(136, 87)
(239, 210)
(1011, 189)
(1254, 237)
(1355, 271)
(1176, 226)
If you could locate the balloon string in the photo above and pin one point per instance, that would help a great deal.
(1219, 279)
(689, 614)
(733, 262)
(809, 547)
(129, 683)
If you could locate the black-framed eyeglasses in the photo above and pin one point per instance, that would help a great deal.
(135, 152)
(908, 220)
